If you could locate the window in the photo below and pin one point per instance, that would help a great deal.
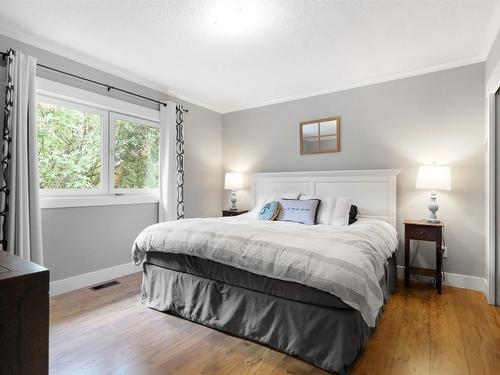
(84, 150)
(136, 153)
(70, 147)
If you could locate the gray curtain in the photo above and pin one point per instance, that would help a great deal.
(19, 192)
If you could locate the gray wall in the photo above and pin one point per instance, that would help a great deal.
(81, 240)
(86, 239)
(398, 124)
(202, 162)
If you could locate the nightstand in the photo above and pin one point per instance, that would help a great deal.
(233, 213)
(421, 230)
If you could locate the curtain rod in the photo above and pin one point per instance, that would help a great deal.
(108, 87)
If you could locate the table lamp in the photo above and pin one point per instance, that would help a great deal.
(433, 177)
(233, 181)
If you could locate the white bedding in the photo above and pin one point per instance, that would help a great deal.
(345, 261)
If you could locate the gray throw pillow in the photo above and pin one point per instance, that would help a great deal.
(298, 211)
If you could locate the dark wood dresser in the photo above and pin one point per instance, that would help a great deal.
(24, 317)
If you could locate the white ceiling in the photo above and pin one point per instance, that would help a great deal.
(261, 51)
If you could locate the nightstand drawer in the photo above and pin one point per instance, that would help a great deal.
(422, 233)
(233, 213)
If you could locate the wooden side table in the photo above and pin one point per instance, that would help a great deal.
(421, 230)
(233, 213)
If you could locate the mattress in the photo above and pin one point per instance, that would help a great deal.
(274, 287)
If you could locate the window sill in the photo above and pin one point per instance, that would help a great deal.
(99, 200)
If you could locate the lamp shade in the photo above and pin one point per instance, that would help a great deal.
(233, 181)
(434, 177)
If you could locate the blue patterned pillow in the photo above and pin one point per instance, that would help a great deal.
(298, 211)
(269, 211)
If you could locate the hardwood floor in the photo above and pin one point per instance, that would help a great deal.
(110, 332)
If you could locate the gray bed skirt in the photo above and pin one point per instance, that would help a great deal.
(327, 337)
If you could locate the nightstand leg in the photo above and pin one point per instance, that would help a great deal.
(407, 262)
(439, 261)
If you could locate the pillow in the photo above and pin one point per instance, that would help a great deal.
(269, 211)
(353, 213)
(262, 200)
(341, 213)
(298, 211)
(325, 208)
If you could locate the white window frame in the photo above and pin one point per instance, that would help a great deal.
(102, 190)
(109, 108)
(113, 116)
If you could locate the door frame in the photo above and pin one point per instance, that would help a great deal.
(490, 184)
(492, 86)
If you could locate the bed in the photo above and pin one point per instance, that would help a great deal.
(314, 292)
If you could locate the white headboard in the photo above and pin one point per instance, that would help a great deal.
(373, 191)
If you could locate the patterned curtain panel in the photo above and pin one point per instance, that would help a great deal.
(19, 191)
(171, 205)
(179, 159)
(7, 119)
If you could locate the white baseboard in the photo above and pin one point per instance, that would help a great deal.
(87, 279)
(458, 281)
(92, 278)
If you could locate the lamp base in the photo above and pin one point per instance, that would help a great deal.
(233, 201)
(433, 207)
(433, 221)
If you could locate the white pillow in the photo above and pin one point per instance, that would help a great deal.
(332, 210)
(341, 213)
(264, 199)
(325, 210)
